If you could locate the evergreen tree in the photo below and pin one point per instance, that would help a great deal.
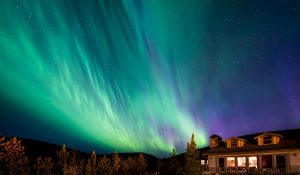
(48, 165)
(191, 159)
(173, 153)
(88, 167)
(103, 166)
(2, 149)
(80, 167)
(73, 166)
(39, 166)
(63, 158)
(141, 164)
(124, 167)
(12, 154)
(93, 162)
(132, 165)
(116, 163)
(173, 166)
(24, 166)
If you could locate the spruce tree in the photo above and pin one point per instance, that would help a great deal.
(103, 166)
(191, 159)
(39, 166)
(124, 167)
(93, 162)
(73, 165)
(2, 149)
(141, 163)
(88, 167)
(173, 153)
(63, 158)
(131, 162)
(12, 154)
(116, 162)
(173, 166)
(24, 166)
(48, 165)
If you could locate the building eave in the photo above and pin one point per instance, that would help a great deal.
(254, 152)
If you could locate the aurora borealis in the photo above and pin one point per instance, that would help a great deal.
(144, 75)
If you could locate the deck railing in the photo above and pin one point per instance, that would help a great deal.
(245, 170)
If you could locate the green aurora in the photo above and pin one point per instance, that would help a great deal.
(95, 70)
(134, 75)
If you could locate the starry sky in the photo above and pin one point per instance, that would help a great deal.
(143, 75)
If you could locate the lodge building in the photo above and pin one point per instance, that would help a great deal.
(268, 152)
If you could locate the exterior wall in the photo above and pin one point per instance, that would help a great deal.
(212, 161)
(241, 143)
(275, 139)
(260, 140)
(292, 158)
(228, 144)
(295, 159)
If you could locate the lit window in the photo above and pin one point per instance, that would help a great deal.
(233, 143)
(202, 162)
(252, 161)
(241, 161)
(267, 140)
(230, 162)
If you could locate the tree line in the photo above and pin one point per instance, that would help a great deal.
(13, 161)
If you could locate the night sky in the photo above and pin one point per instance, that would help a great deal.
(143, 75)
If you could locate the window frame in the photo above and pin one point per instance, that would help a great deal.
(256, 163)
(234, 143)
(244, 161)
(267, 140)
(231, 164)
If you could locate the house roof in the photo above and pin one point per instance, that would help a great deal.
(290, 140)
(214, 135)
(268, 134)
(235, 138)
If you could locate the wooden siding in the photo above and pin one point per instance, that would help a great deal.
(240, 142)
(260, 140)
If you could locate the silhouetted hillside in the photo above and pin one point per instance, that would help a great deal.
(36, 148)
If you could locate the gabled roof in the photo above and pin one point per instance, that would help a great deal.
(249, 147)
(214, 135)
(235, 138)
(268, 134)
(291, 140)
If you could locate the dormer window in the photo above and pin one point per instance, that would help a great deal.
(267, 140)
(234, 143)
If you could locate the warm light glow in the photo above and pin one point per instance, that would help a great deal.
(230, 162)
(253, 161)
(241, 161)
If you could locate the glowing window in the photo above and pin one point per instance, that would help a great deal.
(202, 162)
(241, 161)
(233, 143)
(267, 140)
(230, 162)
(252, 161)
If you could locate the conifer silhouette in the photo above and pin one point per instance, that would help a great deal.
(141, 164)
(116, 163)
(191, 159)
(12, 154)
